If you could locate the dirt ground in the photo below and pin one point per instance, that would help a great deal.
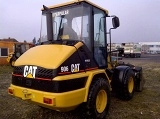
(144, 105)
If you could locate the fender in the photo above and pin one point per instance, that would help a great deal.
(120, 73)
(119, 76)
(92, 75)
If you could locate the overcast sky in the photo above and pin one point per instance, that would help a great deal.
(139, 19)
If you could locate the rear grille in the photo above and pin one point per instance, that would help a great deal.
(49, 86)
(45, 73)
(40, 72)
(18, 70)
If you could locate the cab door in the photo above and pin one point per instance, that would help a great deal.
(100, 48)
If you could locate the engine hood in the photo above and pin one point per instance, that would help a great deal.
(47, 56)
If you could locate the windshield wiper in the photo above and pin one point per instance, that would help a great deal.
(59, 31)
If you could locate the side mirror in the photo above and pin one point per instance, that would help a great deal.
(115, 22)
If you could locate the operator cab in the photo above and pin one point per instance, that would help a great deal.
(21, 48)
(77, 22)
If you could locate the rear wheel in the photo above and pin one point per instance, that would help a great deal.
(101, 101)
(98, 99)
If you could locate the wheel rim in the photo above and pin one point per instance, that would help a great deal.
(101, 101)
(130, 84)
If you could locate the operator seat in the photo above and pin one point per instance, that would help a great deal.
(67, 32)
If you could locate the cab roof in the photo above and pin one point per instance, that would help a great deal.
(77, 1)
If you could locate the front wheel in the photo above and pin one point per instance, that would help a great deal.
(124, 88)
(98, 99)
(128, 86)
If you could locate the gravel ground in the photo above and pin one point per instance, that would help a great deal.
(144, 105)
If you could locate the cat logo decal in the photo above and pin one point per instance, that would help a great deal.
(29, 71)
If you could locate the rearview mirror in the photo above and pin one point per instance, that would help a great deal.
(115, 22)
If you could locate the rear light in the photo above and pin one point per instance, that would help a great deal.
(10, 91)
(47, 100)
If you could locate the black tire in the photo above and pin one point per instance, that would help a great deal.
(128, 91)
(125, 89)
(92, 111)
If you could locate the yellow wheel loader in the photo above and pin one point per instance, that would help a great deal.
(72, 67)
(19, 49)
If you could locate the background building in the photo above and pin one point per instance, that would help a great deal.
(5, 48)
(150, 47)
